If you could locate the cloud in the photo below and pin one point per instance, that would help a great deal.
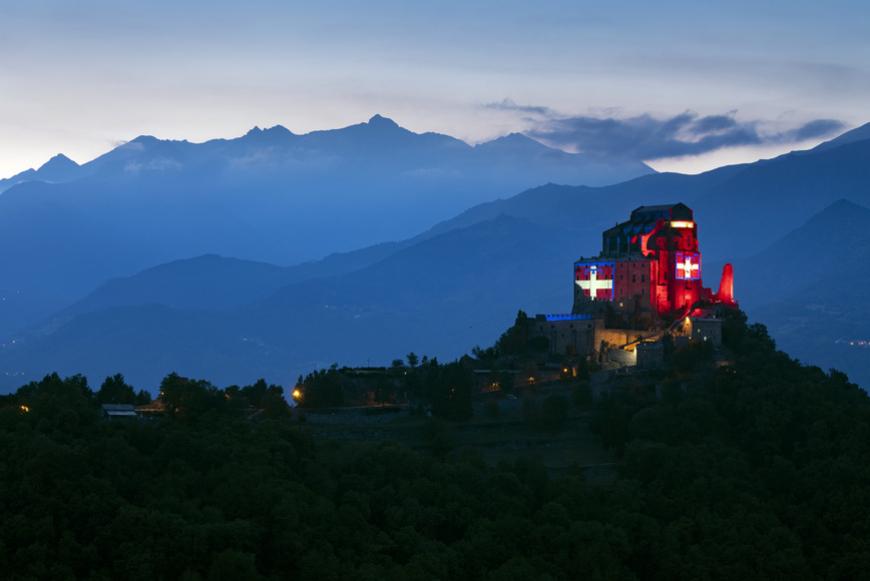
(647, 137)
(509, 105)
(814, 129)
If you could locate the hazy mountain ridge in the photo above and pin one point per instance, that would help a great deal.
(379, 137)
(438, 285)
(270, 195)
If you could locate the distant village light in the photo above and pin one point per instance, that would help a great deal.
(296, 394)
(24, 408)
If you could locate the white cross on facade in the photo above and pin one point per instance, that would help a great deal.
(593, 285)
(688, 267)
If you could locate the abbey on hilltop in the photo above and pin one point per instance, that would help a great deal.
(645, 283)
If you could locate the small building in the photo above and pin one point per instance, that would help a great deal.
(567, 334)
(155, 409)
(707, 329)
(114, 411)
(622, 357)
(650, 354)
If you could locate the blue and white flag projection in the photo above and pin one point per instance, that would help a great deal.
(688, 266)
(595, 279)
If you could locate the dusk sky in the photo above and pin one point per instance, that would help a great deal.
(691, 84)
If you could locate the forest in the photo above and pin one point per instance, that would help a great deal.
(756, 469)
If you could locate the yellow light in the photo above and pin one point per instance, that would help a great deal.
(24, 408)
(297, 394)
(682, 224)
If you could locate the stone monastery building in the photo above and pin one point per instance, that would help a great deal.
(647, 281)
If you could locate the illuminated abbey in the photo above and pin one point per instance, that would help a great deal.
(646, 281)
(649, 268)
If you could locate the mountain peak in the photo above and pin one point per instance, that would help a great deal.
(274, 131)
(843, 208)
(144, 139)
(59, 168)
(379, 120)
(516, 142)
(58, 162)
(517, 138)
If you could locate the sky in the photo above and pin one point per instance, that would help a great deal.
(685, 85)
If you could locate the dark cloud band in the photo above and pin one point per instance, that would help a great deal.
(645, 137)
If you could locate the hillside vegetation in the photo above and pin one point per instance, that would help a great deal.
(757, 469)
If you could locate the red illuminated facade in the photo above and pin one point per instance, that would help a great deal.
(649, 268)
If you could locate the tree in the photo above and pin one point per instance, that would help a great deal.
(265, 397)
(116, 390)
(382, 393)
(554, 412)
(188, 399)
(582, 394)
(67, 404)
(322, 389)
(450, 390)
(232, 565)
(515, 341)
(438, 437)
(506, 382)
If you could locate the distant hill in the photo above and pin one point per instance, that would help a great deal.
(810, 288)
(205, 282)
(270, 195)
(833, 242)
(216, 282)
(440, 296)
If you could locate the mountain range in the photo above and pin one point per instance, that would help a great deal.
(270, 195)
(783, 223)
